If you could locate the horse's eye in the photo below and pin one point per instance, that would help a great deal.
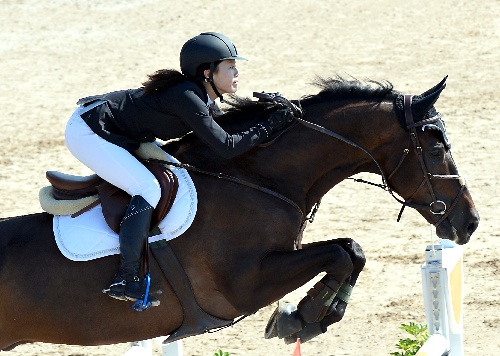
(436, 153)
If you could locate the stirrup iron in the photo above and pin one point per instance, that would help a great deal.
(142, 305)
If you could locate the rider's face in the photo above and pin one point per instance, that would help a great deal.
(226, 77)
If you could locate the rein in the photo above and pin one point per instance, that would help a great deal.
(411, 126)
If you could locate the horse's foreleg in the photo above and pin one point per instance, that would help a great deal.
(329, 293)
(337, 308)
(314, 313)
(283, 272)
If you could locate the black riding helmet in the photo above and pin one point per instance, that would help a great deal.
(207, 47)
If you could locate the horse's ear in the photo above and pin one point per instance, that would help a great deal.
(424, 102)
(435, 88)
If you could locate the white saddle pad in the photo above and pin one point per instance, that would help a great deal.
(88, 236)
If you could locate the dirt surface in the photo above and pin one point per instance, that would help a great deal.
(54, 52)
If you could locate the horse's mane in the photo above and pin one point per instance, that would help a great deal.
(336, 88)
(342, 88)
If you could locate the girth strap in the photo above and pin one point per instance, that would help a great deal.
(196, 321)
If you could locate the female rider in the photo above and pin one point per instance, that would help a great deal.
(104, 131)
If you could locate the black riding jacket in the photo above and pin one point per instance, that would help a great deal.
(130, 117)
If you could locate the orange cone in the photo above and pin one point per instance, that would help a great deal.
(297, 348)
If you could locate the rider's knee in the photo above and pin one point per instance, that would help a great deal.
(150, 191)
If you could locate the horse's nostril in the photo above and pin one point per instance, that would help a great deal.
(473, 225)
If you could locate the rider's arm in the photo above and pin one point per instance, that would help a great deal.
(192, 110)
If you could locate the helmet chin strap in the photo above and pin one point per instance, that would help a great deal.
(211, 81)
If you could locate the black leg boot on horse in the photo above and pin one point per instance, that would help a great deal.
(134, 230)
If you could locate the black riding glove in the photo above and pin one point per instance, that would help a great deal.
(280, 119)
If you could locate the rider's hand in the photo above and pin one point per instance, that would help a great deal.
(280, 119)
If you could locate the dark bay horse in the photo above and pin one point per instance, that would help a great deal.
(239, 253)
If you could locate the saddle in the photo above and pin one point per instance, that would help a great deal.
(113, 200)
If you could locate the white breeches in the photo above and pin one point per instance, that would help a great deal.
(112, 163)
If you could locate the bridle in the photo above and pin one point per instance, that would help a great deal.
(436, 207)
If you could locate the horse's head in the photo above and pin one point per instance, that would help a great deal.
(414, 159)
(432, 183)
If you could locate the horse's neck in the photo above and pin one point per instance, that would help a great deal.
(307, 164)
(304, 164)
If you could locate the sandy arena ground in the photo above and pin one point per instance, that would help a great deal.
(54, 52)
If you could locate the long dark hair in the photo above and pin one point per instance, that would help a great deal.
(162, 79)
(166, 78)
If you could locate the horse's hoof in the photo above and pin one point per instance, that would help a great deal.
(271, 330)
(283, 322)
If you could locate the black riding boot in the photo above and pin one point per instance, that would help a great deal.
(134, 230)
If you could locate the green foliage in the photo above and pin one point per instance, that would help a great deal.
(410, 346)
(221, 353)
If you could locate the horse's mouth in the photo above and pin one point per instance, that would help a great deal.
(447, 231)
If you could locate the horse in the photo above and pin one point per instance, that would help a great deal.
(242, 252)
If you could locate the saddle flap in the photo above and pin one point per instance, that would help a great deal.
(169, 185)
(114, 201)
